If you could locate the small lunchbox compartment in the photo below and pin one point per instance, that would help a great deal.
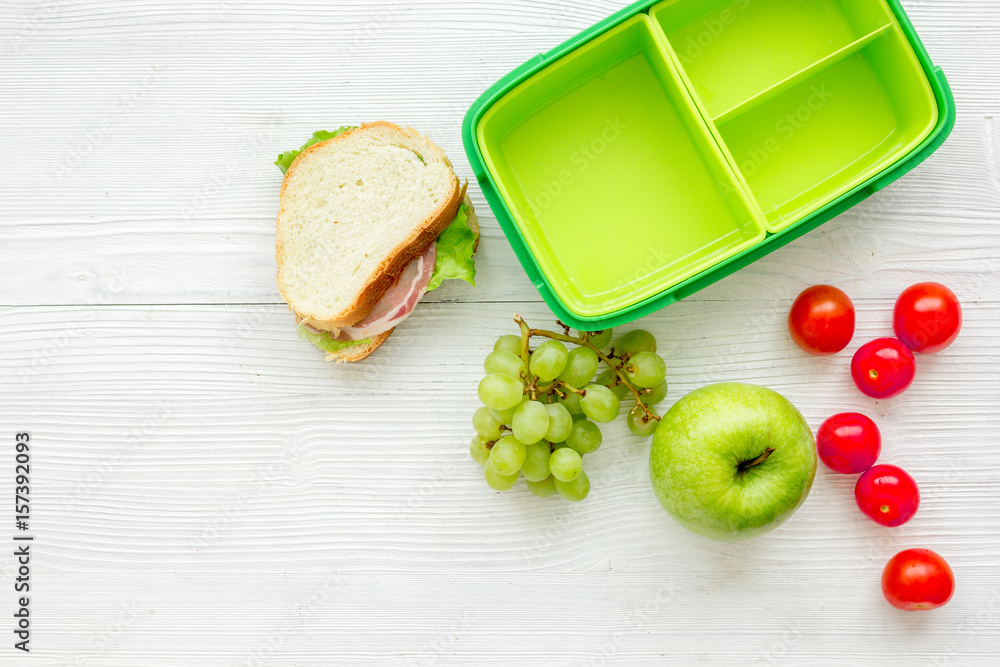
(831, 129)
(808, 98)
(732, 50)
(613, 178)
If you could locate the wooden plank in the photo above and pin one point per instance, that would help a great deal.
(461, 619)
(219, 469)
(162, 160)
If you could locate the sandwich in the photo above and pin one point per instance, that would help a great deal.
(371, 219)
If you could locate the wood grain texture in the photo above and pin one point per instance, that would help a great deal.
(214, 488)
(207, 491)
(162, 160)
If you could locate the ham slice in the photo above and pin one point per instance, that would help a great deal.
(398, 302)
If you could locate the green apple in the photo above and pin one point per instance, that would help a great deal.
(732, 461)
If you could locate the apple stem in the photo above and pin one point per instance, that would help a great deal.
(746, 465)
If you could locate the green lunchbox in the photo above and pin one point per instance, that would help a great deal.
(676, 142)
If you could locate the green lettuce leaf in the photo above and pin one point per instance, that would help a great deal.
(326, 342)
(455, 252)
(286, 159)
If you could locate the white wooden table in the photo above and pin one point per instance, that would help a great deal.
(207, 491)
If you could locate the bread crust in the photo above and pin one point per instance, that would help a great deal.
(389, 271)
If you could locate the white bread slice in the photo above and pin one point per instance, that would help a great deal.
(361, 352)
(355, 210)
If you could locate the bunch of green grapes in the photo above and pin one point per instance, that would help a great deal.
(541, 406)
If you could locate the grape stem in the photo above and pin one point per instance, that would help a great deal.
(503, 429)
(557, 387)
(566, 389)
(527, 333)
(525, 339)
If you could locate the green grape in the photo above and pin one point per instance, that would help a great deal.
(543, 489)
(572, 403)
(600, 404)
(579, 417)
(531, 422)
(480, 450)
(566, 464)
(497, 481)
(643, 429)
(558, 445)
(581, 365)
(646, 369)
(510, 344)
(656, 396)
(536, 463)
(499, 391)
(549, 360)
(503, 361)
(585, 438)
(608, 379)
(576, 490)
(485, 424)
(507, 456)
(599, 339)
(636, 341)
(560, 423)
(505, 417)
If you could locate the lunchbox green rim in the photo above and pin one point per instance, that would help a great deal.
(946, 122)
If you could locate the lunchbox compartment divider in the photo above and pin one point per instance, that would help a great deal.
(746, 192)
(800, 76)
(778, 214)
(898, 95)
(732, 50)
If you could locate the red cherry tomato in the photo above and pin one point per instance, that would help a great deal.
(887, 495)
(822, 320)
(883, 368)
(927, 317)
(849, 443)
(918, 579)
